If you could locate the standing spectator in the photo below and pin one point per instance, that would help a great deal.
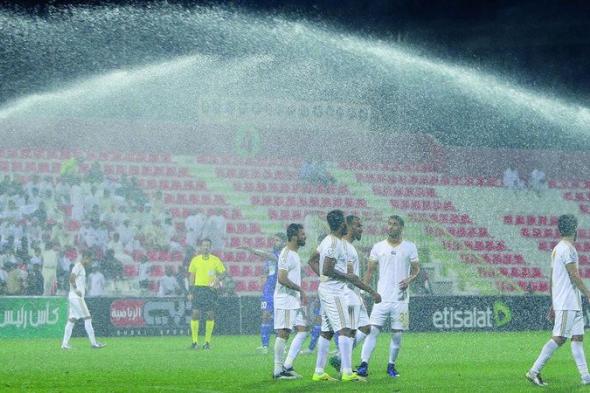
(14, 281)
(3, 278)
(168, 284)
(144, 274)
(195, 225)
(35, 279)
(50, 257)
(537, 181)
(215, 230)
(96, 282)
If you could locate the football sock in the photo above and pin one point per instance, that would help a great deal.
(358, 338)
(295, 348)
(68, 332)
(265, 332)
(315, 334)
(345, 344)
(544, 356)
(209, 325)
(394, 346)
(323, 349)
(195, 331)
(279, 351)
(369, 344)
(90, 331)
(579, 357)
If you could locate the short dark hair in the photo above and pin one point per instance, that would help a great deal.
(398, 219)
(293, 230)
(350, 218)
(281, 236)
(567, 224)
(205, 240)
(335, 219)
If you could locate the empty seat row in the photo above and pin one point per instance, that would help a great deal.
(387, 167)
(247, 241)
(442, 218)
(243, 228)
(288, 188)
(577, 196)
(421, 204)
(538, 220)
(234, 160)
(174, 185)
(569, 184)
(307, 201)
(431, 180)
(460, 231)
(475, 245)
(409, 192)
(297, 215)
(193, 199)
(256, 173)
(228, 213)
(493, 258)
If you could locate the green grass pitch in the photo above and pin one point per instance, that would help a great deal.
(428, 362)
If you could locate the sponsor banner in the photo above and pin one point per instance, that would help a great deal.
(466, 313)
(32, 316)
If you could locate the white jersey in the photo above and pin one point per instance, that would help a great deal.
(564, 293)
(332, 247)
(394, 266)
(352, 258)
(80, 273)
(287, 298)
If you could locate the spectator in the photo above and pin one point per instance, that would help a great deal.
(35, 281)
(112, 267)
(96, 281)
(168, 284)
(3, 278)
(215, 230)
(14, 280)
(145, 269)
(194, 225)
(50, 258)
(537, 181)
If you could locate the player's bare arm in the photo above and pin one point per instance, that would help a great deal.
(329, 270)
(551, 313)
(371, 266)
(314, 263)
(73, 283)
(414, 271)
(260, 253)
(191, 282)
(283, 279)
(572, 270)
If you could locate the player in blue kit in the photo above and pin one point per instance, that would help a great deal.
(268, 288)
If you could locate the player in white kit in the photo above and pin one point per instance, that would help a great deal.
(330, 262)
(288, 304)
(566, 307)
(360, 320)
(397, 261)
(77, 306)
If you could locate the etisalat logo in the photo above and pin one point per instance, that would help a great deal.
(473, 318)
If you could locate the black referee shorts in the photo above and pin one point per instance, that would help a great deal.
(204, 298)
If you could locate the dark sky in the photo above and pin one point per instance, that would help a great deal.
(539, 43)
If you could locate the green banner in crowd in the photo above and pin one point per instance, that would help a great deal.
(32, 316)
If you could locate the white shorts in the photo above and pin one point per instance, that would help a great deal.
(336, 314)
(397, 311)
(359, 316)
(77, 308)
(568, 323)
(288, 319)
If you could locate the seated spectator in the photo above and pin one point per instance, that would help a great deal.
(145, 269)
(96, 282)
(168, 285)
(15, 280)
(512, 180)
(35, 281)
(537, 181)
(111, 266)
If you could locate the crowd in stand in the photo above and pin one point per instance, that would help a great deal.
(536, 182)
(46, 224)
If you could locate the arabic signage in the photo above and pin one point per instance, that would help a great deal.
(32, 316)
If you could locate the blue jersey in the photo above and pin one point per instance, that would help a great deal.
(270, 268)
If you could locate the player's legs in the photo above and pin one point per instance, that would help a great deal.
(266, 324)
(301, 328)
(211, 305)
(315, 333)
(577, 346)
(400, 321)
(364, 326)
(562, 329)
(195, 318)
(90, 332)
(323, 348)
(65, 344)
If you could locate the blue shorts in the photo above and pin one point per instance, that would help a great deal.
(267, 304)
